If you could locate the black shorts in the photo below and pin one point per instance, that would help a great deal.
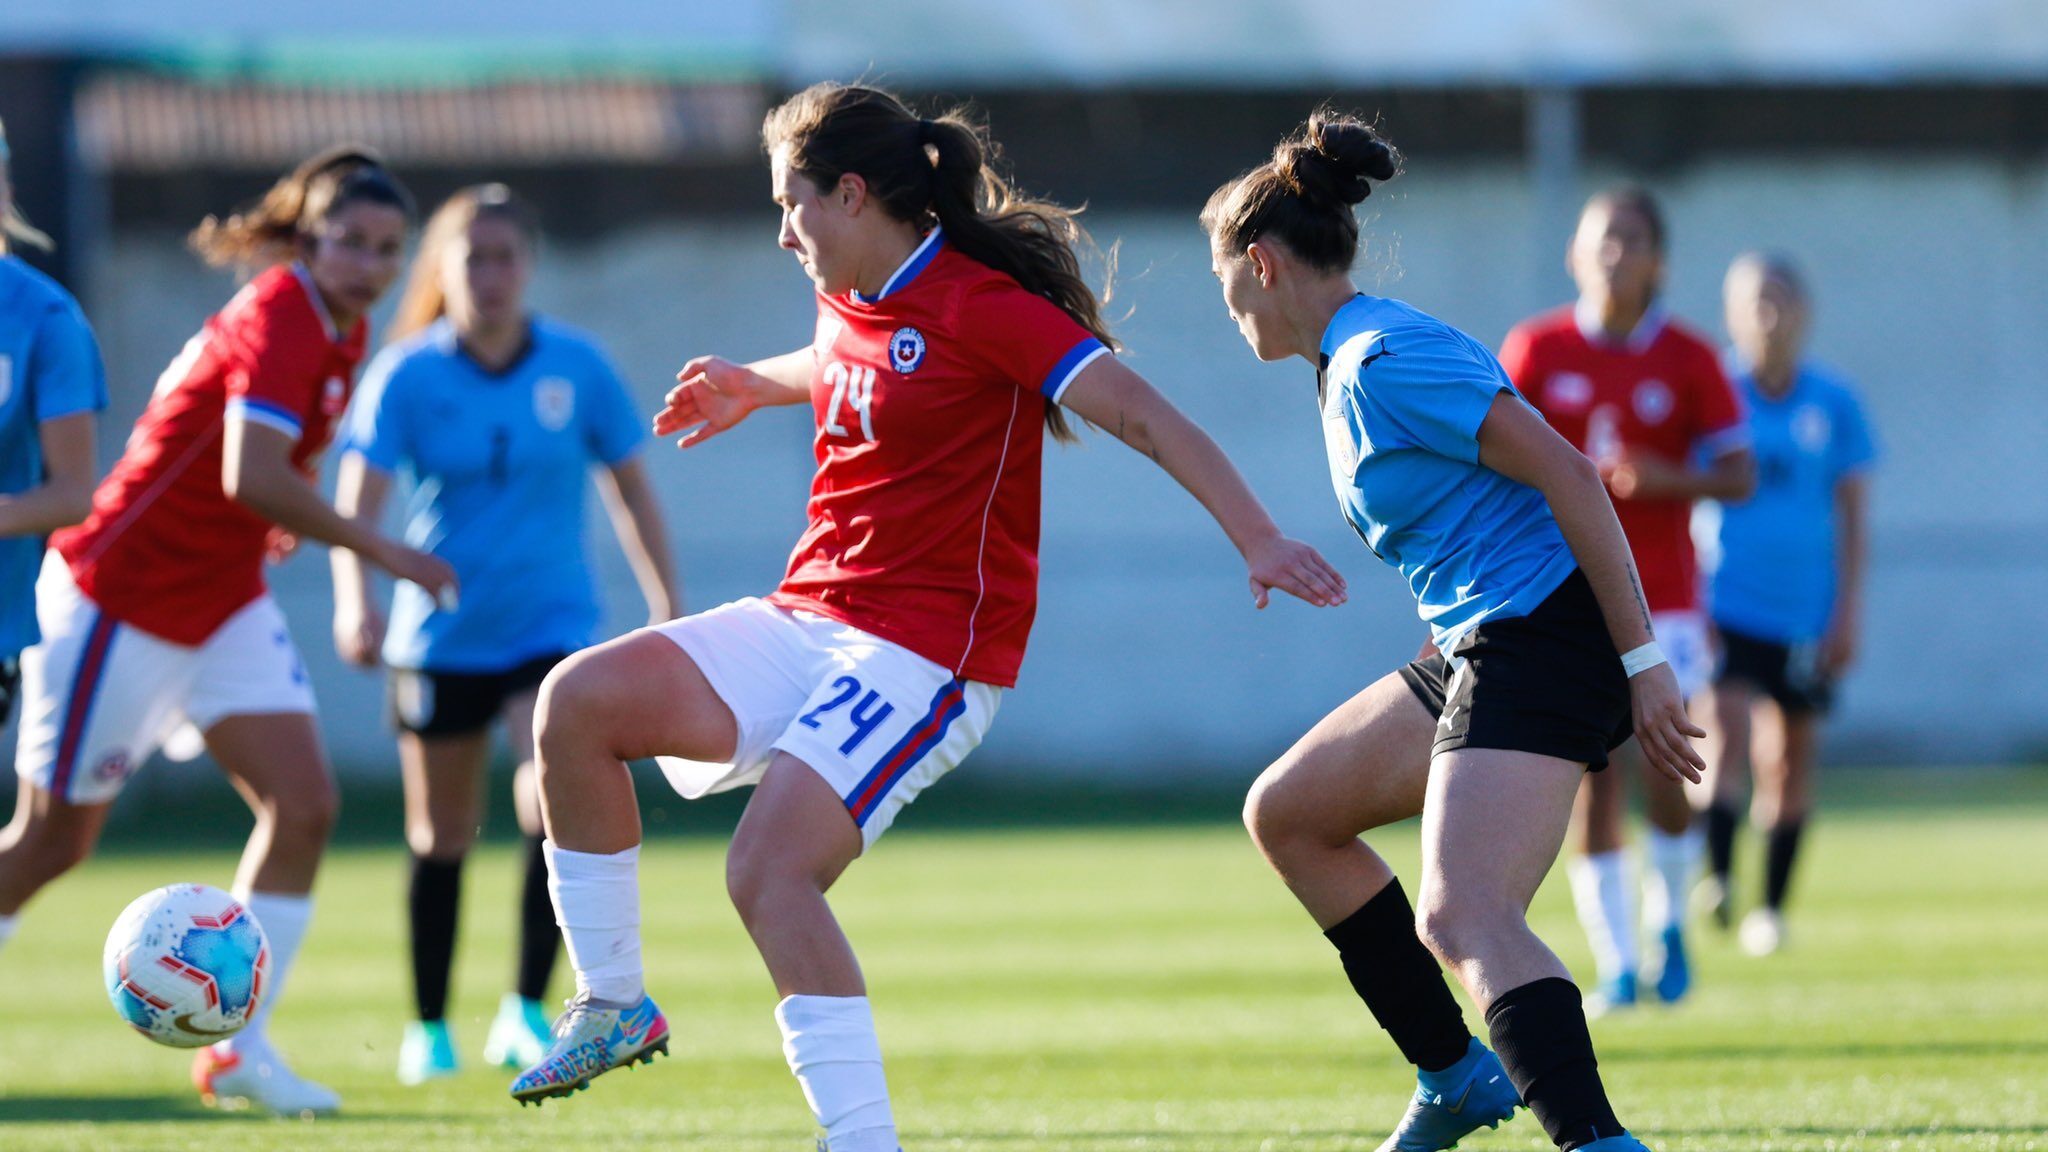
(1549, 683)
(10, 687)
(428, 703)
(1787, 673)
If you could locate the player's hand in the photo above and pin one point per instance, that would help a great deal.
(1634, 474)
(1838, 648)
(358, 634)
(711, 395)
(1663, 729)
(1294, 568)
(278, 545)
(422, 568)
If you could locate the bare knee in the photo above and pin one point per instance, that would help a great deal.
(56, 850)
(1279, 821)
(1454, 929)
(305, 816)
(431, 841)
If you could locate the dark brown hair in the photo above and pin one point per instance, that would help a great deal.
(941, 171)
(1303, 195)
(295, 206)
(1634, 198)
(424, 301)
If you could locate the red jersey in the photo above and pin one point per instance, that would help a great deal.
(1661, 391)
(165, 549)
(930, 401)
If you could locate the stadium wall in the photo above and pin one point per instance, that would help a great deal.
(1148, 661)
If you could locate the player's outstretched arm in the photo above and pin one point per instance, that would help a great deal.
(65, 495)
(360, 490)
(1111, 396)
(712, 393)
(1515, 442)
(257, 472)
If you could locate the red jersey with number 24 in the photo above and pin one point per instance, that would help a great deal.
(930, 401)
(1661, 391)
(165, 549)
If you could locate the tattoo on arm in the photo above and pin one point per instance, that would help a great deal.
(1635, 582)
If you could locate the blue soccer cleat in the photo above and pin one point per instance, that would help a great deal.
(1616, 995)
(1674, 974)
(427, 1053)
(1472, 1094)
(590, 1040)
(520, 1034)
(1621, 1143)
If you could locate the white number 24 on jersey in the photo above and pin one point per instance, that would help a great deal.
(855, 385)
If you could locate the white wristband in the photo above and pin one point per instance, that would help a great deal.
(1642, 659)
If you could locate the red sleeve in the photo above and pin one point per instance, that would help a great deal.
(1518, 358)
(1719, 422)
(277, 351)
(1027, 339)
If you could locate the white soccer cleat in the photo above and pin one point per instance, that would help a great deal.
(260, 1077)
(1763, 932)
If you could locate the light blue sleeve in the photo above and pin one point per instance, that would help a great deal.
(1855, 443)
(615, 429)
(1433, 389)
(65, 374)
(376, 425)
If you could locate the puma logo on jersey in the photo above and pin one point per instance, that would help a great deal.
(1384, 351)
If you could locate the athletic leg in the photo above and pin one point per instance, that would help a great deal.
(1673, 847)
(444, 777)
(793, 842)
(1724, 715)
(1602, 890)
(1787, 745)
(1492, 826)
(47, 837)
(518, 1035)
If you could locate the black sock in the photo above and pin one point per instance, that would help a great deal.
(1539, 1030)
(539, 938)
(432, 901)
(1400, 981)
(1722, 821)
(1781, 846)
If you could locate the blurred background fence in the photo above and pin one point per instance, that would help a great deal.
(1899, 149)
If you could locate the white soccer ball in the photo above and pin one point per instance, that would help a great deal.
(186, 965)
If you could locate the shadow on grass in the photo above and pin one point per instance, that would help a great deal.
(110, 1109)
(1835, 1050)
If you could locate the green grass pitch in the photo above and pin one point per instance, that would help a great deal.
(1105, 988)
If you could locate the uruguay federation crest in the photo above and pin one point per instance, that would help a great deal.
(906, 350)
(554, 402)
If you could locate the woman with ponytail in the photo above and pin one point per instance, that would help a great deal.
(494, 416)
(51, 387)
(1541, 660)
(154, 612)
(952, 324)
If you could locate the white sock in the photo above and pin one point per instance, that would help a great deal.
(1674, 862)
(7, 928)
(597, 904)
(831, 1046)
(284, 919)
(1600, 889)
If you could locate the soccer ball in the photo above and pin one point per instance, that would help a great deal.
(186, 965)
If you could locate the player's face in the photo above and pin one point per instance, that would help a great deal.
(354, 256)
(1251, 306)
(813, 227)
(486, 272)
(1614, 255)
(1766, 318)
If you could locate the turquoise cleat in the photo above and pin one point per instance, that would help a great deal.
(1621, 1143)
(519, 1034)
(1616, 995)
(590, 1040)
(426, 1054)
(1450, 1105)
(1674, 974)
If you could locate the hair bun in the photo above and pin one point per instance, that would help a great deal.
(1336, 159)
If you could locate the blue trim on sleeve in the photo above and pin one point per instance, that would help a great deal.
(1069, 366)
(267, 413)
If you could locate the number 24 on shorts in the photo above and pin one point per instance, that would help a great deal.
(867, 715)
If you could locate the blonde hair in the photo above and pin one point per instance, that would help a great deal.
(271, 231)
(15, 226)
(425, 301)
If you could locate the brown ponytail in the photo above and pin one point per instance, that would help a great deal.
(424, 300)
(271, 232)
(1304, 194)
(942, 171)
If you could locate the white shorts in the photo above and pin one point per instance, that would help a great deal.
(1683, 637)
(877, 721)
(98, 696)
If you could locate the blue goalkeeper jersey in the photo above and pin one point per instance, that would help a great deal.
(496, 464)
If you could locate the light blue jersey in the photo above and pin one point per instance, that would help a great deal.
(496, 463)
(49, 368)
(1776, 578)
(1403, 397)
